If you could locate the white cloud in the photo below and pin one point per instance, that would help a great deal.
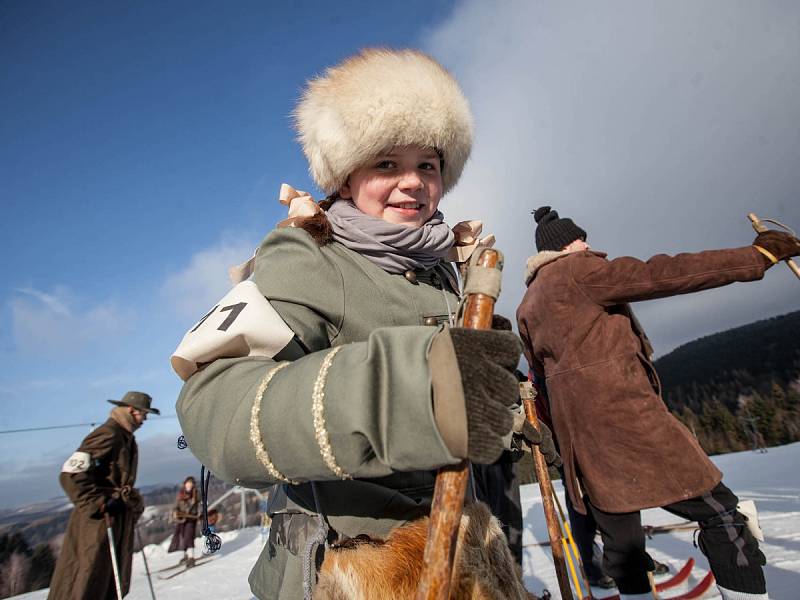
(195, 289)
(656, 126)
(33, 385)
(160, 462)
(53, 322)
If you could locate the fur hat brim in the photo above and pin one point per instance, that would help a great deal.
(377, 100)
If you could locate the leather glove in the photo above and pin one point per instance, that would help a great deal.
(780, 244)
(486, 360)
(500, 323)
(113, 506)
(542, 438)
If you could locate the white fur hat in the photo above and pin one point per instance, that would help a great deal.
(377, 100)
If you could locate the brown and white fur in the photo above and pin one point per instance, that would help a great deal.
(372, 569)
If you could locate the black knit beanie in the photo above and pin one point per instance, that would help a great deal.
(553, 233)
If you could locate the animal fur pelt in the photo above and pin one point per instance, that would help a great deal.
(370, 569)
(377, 100)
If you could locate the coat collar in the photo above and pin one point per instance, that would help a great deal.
(545, 257)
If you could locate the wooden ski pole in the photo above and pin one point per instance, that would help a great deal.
(759, 226)
(652, 581)
(451, 481)
(546, 488)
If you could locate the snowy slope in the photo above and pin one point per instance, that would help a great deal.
(770, 479)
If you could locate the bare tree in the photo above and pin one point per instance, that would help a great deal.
(15, 577)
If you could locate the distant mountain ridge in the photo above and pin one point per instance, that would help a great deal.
(740, 388)
(725, 364)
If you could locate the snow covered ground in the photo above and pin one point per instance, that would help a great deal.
(770, 479)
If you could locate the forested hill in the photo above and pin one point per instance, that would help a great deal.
(726, 364)
(737, 385)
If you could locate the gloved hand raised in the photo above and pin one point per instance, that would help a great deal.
(486, 360)
(780, 244)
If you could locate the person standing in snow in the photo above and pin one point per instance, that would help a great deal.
(185, 514)
(622, 450)
(99, 479)
(355, 388)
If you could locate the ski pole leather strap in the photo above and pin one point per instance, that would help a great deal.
(483, 280)
(772, 258)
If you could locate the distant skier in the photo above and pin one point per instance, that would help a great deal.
(99, 479)
(622, 450)
(185, 514)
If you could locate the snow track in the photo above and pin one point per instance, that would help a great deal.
(770, 479)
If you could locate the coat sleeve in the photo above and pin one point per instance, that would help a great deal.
(628, 279)
(356, 410)
(84, 488)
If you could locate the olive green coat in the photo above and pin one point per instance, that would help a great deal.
(378, 401)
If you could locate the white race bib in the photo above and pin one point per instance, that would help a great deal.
(243, 323)
(77, 463)
(748, 509)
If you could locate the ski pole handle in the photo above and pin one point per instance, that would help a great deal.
(546, 488)
(761, 228)
(451, 481)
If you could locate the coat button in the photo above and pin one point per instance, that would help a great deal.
(431, 321)
(411, 276)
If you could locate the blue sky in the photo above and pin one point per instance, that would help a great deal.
(138, 135)
(144, 145)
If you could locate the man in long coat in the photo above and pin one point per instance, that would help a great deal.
(99, 479)
(622, 450)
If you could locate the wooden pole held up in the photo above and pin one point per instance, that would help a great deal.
(451, 481)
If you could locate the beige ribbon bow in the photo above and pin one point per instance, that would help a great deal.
(300, 204)
(468, 240)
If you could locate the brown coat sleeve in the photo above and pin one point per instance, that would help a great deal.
(628, 279)
(84, 488)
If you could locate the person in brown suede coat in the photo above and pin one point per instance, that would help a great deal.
(98, 479)
(622, 449)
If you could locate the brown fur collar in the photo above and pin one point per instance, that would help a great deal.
(545, 257)
(537, 261)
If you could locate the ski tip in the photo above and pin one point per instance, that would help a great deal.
(697, 592)
(678, 578)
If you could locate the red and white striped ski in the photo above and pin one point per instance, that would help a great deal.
(695, 593)
(677, 579)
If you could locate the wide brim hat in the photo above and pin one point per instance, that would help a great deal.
(377, 100)
(138, 400)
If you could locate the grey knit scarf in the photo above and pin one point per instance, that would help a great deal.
(394, 248)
